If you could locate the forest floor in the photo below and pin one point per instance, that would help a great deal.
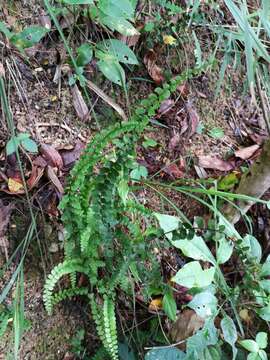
(197, 136)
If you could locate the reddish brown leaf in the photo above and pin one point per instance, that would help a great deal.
(51, 155)
(193, 118)
(246, 153)
(174, 142)
(154, 71)
(70, 156)
(214, 162)
(36, 175)
(176, 171)
(79, 103)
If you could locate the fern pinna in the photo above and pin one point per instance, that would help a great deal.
(101, 239)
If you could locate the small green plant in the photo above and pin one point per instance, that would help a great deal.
(23, 141)
(256, 348)
(104, 237)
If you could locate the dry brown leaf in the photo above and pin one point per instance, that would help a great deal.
(176, 171)
(154, 71)
(36, 175)
(174, 142)
(215, 163)
(186, 325)
(107, 99)
(165, 106)
(54, 179)
(45, 21)
(193, 118)
(246, 153)
(79, 103)
(51, 155)
(70, 156)
(5, 212)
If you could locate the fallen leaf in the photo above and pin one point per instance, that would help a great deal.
(36, 175)
(5, 212)
(246, 153)
(245, 316)
(193, 118)
(174, 142)
(54, 179)
(165, 106)
(79, 103)
(215, 163)
(183, 89)
(176, 171)
(51, 155)
(186, 325)
(70, 156)
(154, 71)
(169, 40)
(45, 21)
(15, 186)
(155, 304)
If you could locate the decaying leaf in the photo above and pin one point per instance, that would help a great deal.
(246, 153)
(5, 212)
(70, 156)
(15, 186)
(176, 171)
(165, 106)
(79, 103)
(186, 325)
(155, 304)
(36, 175)
(215, 163)
(193, 118)
(51, 155)
(154, 71)
(54, 179)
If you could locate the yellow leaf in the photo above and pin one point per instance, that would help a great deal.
(169, 40)
(14, 186)
(155, 304)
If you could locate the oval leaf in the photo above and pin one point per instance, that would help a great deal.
(85, 54)
(169, 305)
(119, 24)
(165, 354)
(118, 50)
(113, 71)
(29, 145)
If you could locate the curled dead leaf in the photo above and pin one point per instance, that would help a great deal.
(165, 106)
(246, 153)
(51, 155)
(186, 325)
(70, 156)
(176, 171)
(215, 163)
(79, 103)
(36, 175)
(193, 118)
(153, 69)
(54, 179)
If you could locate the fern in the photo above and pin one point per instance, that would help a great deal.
(103, 231)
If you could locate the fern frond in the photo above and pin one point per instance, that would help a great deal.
(68, 294)
(67, 267)
(110, 327)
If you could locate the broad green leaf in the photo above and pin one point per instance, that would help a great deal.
(168, 223)
(119, 24)
(250, 345)
(265, 269)
(125, 353)
(113, 71)
(23, 136)
(12, 145)
(85, 54)
(204, 303)
(255, 249)
(117, 8)
(149, 143)
(224, 250)
(262, 355)
(261, 340)
(138, 173)
(29, 145)
(78, 2)
(123, 190)
(29, 36)
(229, 332)
(216, 133)
(165, 354)
(264, 313)
(253, 356)
(228, 182)
(169, 305)
(118, 50)
(265, 285)
(4, 30)
(192, 275)
(195, 249)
